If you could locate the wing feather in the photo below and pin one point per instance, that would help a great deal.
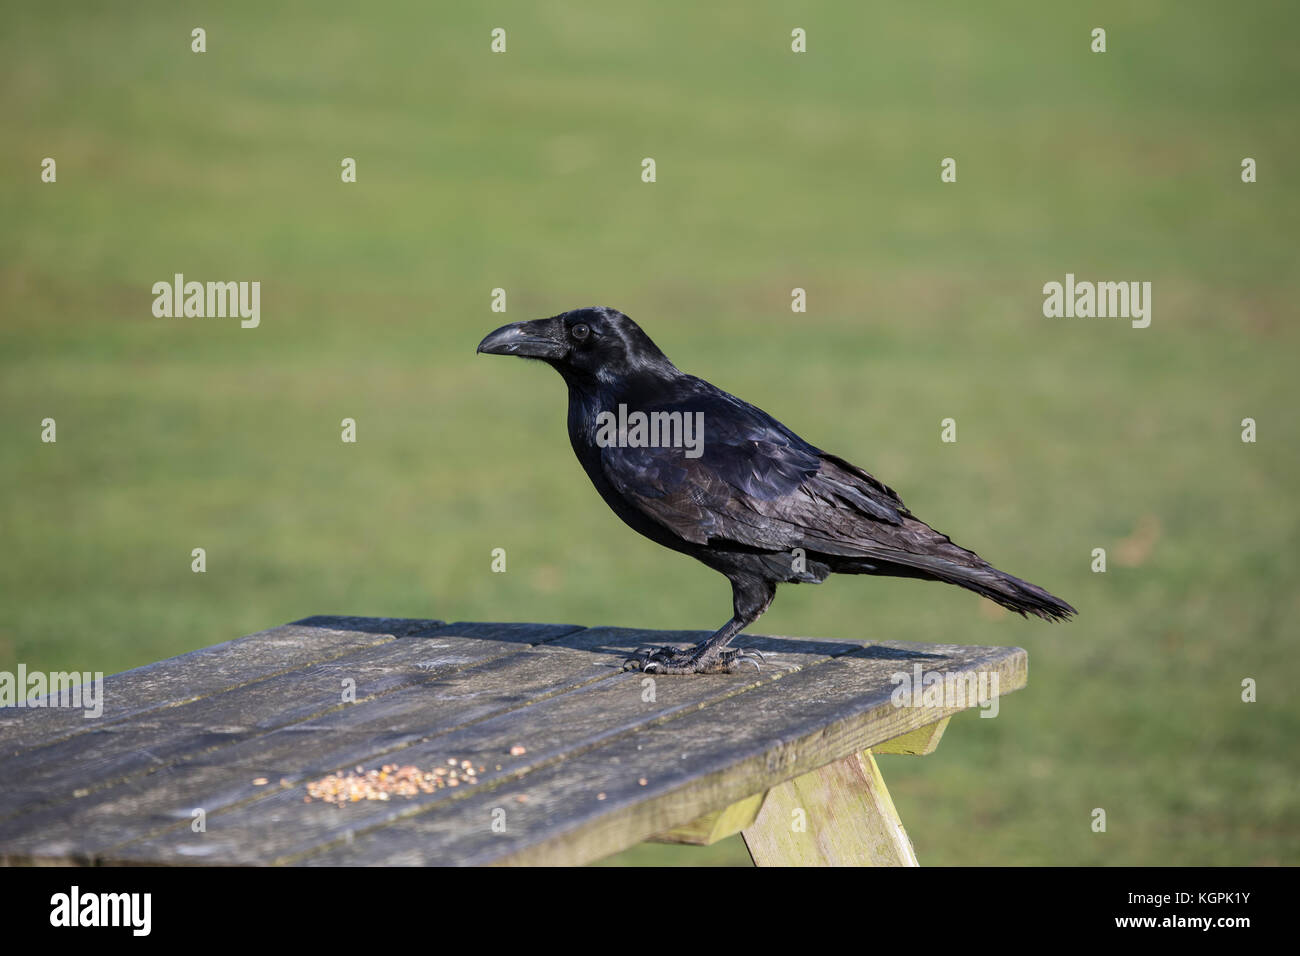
(759, 485)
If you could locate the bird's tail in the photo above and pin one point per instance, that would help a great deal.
(953, 564)
(1010, 591)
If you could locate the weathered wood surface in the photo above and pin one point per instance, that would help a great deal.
(857, 791)
(208, 671)
(837, 815)
(612, 757)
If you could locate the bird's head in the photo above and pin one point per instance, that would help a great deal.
(597, 344)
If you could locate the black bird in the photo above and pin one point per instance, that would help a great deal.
(752, 500)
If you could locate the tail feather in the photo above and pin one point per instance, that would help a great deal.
(912, 549)
(1011, 592)
(979, 576)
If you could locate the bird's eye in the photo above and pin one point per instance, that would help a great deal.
(580, 331)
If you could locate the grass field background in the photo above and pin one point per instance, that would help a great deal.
(775, 171)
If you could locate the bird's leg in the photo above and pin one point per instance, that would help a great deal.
(750, 598)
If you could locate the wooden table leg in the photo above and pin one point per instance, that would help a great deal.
(840, 814)
(712, 827)
(837, 815)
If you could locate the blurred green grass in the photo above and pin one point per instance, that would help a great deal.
(774, 171)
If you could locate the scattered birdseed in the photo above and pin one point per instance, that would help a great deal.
(518, 750)
(642, 781)
(260, 782)
(600, 796)
(388, 781)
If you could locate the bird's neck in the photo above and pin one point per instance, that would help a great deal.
(641, 384)
(644, 390)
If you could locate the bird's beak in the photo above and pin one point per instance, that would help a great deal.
(537, 339)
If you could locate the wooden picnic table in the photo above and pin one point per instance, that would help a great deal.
(206, 758)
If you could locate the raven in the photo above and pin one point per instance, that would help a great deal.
(752, 500)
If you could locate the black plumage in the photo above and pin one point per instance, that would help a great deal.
(758, 503)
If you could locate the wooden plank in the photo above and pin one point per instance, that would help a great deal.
(81, 763)
(837, 815)
(659, 776)
(553, 731)
(363, 732)
(204, 672)
(359, 733)
(715, 826)
(216, 773)
(918, 743)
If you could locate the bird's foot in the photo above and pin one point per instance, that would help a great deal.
(692, 660)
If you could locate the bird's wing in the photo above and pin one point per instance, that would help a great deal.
(756, 484)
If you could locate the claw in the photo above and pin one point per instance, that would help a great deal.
(665, 659)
